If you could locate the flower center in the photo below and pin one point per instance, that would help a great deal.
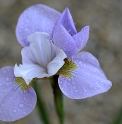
(20, 81)
(67, 68)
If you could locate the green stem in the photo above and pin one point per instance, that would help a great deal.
(41, 107)
(58, 98)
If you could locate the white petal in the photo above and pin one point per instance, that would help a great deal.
(41, 48)
(41, 59)
(28, 72)
(57, 62)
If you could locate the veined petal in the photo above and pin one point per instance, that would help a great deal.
(15, 103)
(29, 71)
(36, 18)
(27, 56)
(45, 52)
(87, 78)
(64, 40)
(57, 62)
(40, 59)
(81, 38)
(40, 48)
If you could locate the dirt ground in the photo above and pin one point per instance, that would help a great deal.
(105, 42)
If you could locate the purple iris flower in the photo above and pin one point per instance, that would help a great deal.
(17, 97)
(80, 75)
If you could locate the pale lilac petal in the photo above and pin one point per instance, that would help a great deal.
(64, 40)
(44, 52)
(36, 18)
(87, 79)
(27, 56)
(14, 102)
(67, 21)
(81, 38)
(57, 62)
(41, 48)
(37, 51)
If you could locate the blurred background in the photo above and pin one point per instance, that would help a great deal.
(105, 43)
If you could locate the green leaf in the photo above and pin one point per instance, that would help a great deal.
(118, 119)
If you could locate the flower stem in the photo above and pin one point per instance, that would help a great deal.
(58, 98)
(41, 107)
(118, 119)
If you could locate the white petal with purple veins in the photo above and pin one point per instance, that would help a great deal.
(40, 59)
(28, 72)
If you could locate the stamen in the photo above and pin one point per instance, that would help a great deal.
(22, 83)
(67, 68)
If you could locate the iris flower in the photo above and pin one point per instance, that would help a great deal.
(52, 46)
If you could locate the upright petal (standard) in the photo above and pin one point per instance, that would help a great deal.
(65, 36)
(36, 18)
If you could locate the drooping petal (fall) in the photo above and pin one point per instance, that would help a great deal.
(36, 18)
(87, 78)
(40, 59)
(15, 103)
